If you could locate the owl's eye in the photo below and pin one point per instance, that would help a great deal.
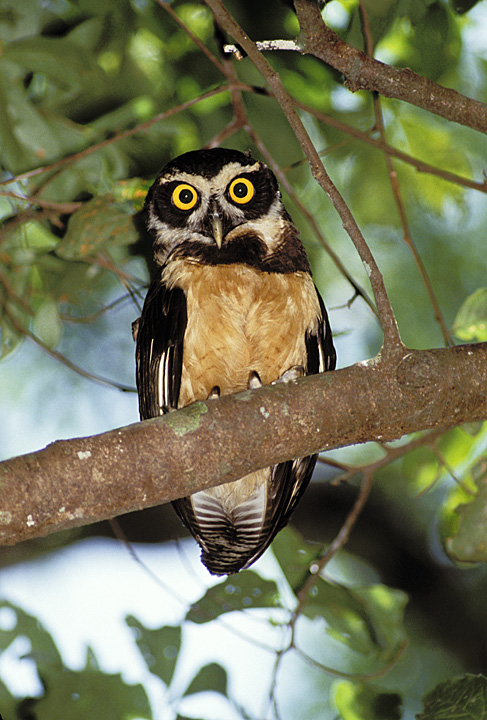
(184, 197)
(241, 191)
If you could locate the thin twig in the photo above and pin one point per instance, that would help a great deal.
(60, 357)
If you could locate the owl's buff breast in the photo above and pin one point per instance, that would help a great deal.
(240, 320)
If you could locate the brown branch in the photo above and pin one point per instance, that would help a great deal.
(365, 73)
(76, 482)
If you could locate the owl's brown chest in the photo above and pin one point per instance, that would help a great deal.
(240, 320)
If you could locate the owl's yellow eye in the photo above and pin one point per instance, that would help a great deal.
(184, 197)
(241, 191)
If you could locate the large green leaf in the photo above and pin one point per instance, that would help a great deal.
(67, 693)
(244, 591)
(26, 137)
(63, 62)
(470, 323)
(159, 648)
(211, 677)
(99, 225)
(89, 693)
(8, 703)
(43, 649)
(368, 620)
(469, 541)
(295, 556)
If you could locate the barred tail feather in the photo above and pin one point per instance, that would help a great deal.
(233, 535)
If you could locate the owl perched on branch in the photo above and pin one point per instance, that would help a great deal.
(232, 306)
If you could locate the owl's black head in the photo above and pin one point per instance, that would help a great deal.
(218, 206)
(206, 163)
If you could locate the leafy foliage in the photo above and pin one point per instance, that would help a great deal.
(85, 693)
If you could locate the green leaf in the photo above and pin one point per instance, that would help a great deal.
(25, 136)
(240, 592)
(89, 693)
(211, 677)
(67, 693)
(99, 225)
(8, 703)
(470, 323)
(47, 324)
(10, 333)
(459, 698)
(131, 194)
(463, 6)
(355, 701)
(159, 648)
(368, 620)
(469, 543)
(295, 556)
(20, 19)
(43, 649)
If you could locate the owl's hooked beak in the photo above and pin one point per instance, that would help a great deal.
(217, 229)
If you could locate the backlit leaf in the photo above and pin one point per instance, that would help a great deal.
(470, 323)
(159, 648)
(355, 701)
(244, 591)
(210, 677)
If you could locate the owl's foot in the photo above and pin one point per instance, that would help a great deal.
(254, 381)
(293, 373)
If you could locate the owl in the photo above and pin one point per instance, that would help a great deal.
(231, 307)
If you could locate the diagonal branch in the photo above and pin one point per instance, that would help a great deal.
(85, 480)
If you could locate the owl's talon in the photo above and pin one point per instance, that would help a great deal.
(254, 381)
(214, 393)
(293, 373)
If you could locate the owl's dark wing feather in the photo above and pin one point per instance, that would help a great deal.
(159, 354)
(319, 347)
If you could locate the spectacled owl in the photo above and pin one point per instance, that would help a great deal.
(232, 306)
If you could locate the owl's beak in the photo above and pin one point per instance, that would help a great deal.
(217, 230)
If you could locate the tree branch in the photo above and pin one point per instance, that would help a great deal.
(76, 482)
(365, 73)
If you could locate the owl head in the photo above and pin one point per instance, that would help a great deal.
(218, 206)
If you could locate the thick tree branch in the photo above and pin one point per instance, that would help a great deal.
(364, 73)
(76, 482)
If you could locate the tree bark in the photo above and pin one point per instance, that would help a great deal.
(80, 481)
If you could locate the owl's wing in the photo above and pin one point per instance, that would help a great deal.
(159, 354)
(289, 480)
(319, 346)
